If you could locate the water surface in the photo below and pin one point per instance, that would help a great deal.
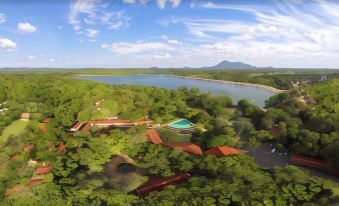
(237, 92)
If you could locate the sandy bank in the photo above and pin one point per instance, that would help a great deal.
(272, 89)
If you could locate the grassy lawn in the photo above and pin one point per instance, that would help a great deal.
(16, 128)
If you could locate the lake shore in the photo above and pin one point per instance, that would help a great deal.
(272, 89)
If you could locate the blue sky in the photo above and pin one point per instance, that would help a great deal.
(168, 33)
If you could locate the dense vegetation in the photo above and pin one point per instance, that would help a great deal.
(79, 178)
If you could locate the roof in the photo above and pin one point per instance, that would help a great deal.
(16, 188)
(43, 128)
(308, 161)
(35, 181)
(46, 120)
(222, 151)
(28, 147)
(15, 156)
(153, 136)
(158, 183)
(25, 115)
(87, 127)
(185, 146)
(111, 121)
(76, 125)
(43, 170)
(61, 147)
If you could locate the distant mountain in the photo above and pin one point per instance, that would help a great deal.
(232, 65)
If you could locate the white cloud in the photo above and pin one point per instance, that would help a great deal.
(290, 33)
(8, 44)
(161, 3)
(91, 32)
(2, 18)
(164, 37)
(172, 41)
(162, 57)
(31, 57)
(26, 27)
(51, 60)
(86, 13)
(122, 48)
(175, 3)
(129, 1)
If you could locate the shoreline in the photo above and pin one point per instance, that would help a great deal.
(272, 89)
(104, 75)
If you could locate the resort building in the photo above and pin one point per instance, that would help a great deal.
(157, 183)
(25, 116)
(43, 128)
(182, 126)
(185, 146)
(314, 163)
(153, 137)
(43, 170)
(61, 147)
(116, 123)
(222, 151)
(76, 126)
(28, 147)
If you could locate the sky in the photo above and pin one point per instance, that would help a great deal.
(168, 33)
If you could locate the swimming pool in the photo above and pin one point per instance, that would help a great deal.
(181, 124)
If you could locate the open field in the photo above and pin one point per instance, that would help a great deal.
(15, 128)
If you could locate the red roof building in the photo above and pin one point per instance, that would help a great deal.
(157, 183)
(153, 137)
(308, 161)
(16, 188)
(76, 126)
(35, 181)
(43, 170)
(87, 127)
(15, 156)
(43, 128)
(46, 120)
(28, 147)
(184, 146)
(222, 151)
(61, 147)
(25, 116)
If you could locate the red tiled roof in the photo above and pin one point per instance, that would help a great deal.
(153, 136)
(222, 151)
(35, 181)
(308, 161)
(43, 170)
(25, 116)
(50, 144)
(15, 156)
(112, 121)
(16, 188)
(87, 127)
(76, 125)
(28, 147)
(61, 147)
(157, 183)
(46, 120)
(185, 146)
(43, 128)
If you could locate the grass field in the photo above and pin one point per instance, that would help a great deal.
(16, 128)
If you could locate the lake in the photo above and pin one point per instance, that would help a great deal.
(237, 92)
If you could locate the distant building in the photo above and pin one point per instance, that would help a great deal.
(185, 146)
(61, 147)
(43, 170)
(158, 183)
(43, 128)
(25, 116)
(222, 151)
(153, 136)
(28, 147)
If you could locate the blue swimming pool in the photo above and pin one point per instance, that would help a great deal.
(181, 124)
